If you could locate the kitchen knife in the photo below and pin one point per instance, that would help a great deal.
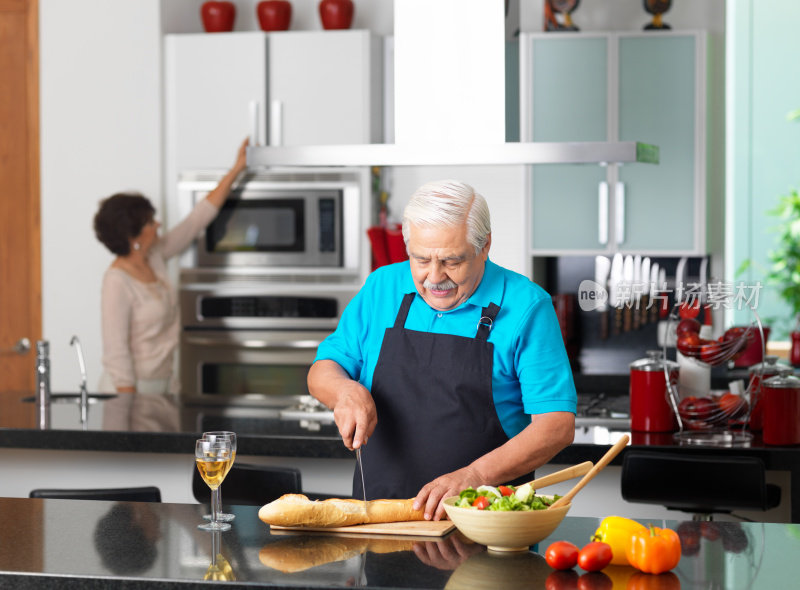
(655, 292)
(705, 332)
(361, 469)
(602, 268)
(636, 291)
(645, 289)
(680, 279)
(614, 280)
(627, 300)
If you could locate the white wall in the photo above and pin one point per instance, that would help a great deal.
(100, 134)
(101, 128)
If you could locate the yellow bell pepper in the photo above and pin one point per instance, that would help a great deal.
(618, 532)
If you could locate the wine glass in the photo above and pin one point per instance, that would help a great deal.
(213, 459)
(220, 569)
(231, 436)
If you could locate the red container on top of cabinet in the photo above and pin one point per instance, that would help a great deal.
(218, 16)
(274, 15)
(336, 14)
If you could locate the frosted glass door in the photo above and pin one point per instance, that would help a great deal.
(658, 96)
(569, 104)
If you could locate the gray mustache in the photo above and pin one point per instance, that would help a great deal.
(445, 286)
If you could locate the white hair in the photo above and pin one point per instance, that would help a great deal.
(449, 203)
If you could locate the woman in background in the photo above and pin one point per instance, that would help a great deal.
(140, 320)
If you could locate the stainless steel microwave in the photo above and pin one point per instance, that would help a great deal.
(278, 220)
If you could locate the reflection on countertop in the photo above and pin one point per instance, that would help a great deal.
(159, 546)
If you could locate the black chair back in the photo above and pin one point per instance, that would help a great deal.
(700, 484)
(140, 494)
(251, 485)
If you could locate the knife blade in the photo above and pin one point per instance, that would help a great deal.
(645, 289)
(361, 469)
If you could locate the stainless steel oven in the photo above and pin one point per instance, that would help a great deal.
(280, 220)
(253, 344)
(247, 367)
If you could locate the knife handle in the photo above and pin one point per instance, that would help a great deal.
(603, 325)
(644, 311)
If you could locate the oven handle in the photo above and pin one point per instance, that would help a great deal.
(254, 343)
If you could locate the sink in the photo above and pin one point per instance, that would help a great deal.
(72, 398)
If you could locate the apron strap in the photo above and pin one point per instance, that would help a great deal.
(488, 314)
(402, 314)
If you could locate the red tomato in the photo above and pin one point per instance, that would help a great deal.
(505, 490)
(736, 339)
(595, 581)
(687, 325)
(562, 580)
(689, 344)
(594, 556)
(689, 533)
(689, 309)
(561, 555)
(711, 352)
(710, 530)
(732, 404)
(481, 502)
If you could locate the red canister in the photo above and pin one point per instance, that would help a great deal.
(781, 401)
(758, 374)
(650, 407)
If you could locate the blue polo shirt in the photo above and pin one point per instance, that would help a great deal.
(531, 372)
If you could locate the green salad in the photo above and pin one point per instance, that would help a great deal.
(503, 498)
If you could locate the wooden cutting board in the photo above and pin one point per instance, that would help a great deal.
(419, 528)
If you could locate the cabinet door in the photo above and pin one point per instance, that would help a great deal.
(323, 88)
(211, 81)
(569, 97)
(659, 100)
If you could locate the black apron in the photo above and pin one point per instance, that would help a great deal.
(436, 414)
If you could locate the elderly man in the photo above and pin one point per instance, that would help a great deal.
(448, 369)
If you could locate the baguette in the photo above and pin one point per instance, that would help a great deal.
(296, 555)
(301, 553)
(298, 510)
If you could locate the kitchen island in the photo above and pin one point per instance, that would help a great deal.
(87, 545)
(155, 448)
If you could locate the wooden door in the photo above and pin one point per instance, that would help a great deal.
(20, 249)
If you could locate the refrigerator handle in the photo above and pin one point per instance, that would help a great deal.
(602, 213)
(619, 207)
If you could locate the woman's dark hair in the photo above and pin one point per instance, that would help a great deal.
(121, 217)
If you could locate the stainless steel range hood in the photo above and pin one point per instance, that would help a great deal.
(447, 67)
(427, 155)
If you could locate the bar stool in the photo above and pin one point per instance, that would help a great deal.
(698, 484)
(251, 485)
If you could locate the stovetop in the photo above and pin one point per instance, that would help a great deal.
(600, 409)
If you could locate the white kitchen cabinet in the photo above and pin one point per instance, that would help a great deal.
(647, 87)
(311, 87)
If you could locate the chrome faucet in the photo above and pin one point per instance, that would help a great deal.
(43, 383)
(84, 392)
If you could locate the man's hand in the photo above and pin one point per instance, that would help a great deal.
(355, 415)
(448, 553)
(352, 404)
(450, 484)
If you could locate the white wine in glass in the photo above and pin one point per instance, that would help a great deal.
(214, 435)
(213, 459)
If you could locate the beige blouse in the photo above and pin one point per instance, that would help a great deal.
(140, 321)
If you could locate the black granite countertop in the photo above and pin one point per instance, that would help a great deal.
(93, 545)
(162, 425)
